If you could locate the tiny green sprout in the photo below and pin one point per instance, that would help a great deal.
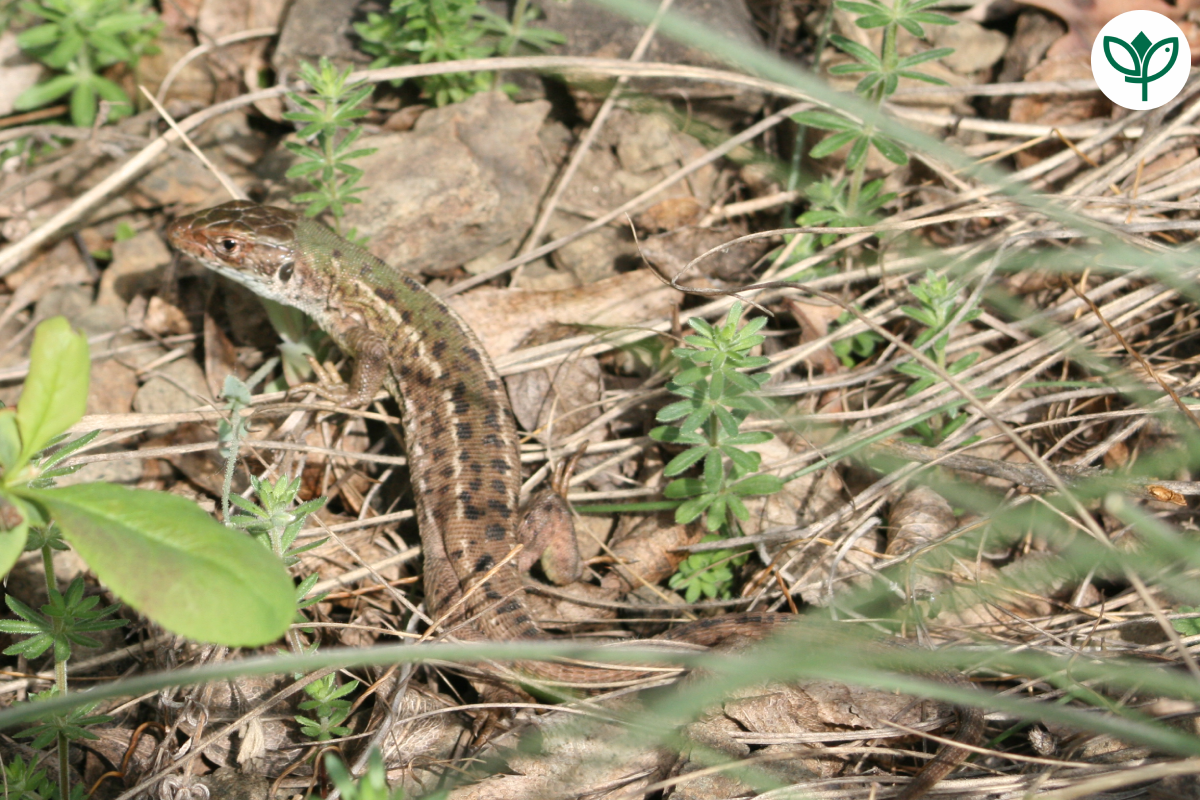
(329, 706)
(371, 786)
(69, 724)
(708, 573)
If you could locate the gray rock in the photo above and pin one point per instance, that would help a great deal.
(466, 179)
(975, 47)
(593, 31)
(315, 28)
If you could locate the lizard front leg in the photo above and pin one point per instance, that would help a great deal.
(370, 352)
(548, 530)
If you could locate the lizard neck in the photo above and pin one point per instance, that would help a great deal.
(463, 452)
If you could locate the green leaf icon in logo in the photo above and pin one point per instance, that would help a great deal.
(1139, 51)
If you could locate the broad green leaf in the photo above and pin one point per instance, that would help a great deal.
(55, 393)
(172, 562)
(12, 540)
(10, 439)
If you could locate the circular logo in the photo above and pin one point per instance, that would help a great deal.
(1141, 60)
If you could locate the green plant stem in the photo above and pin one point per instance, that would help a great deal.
(518, 19)
(60, 683)
(889, 58)
(48, 566)
(796, 169)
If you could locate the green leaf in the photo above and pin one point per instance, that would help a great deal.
(683, 487)
(169, 560)
(856, 8)
(890, 150)
(858, 51)
(921, 76)
(689, 511)
(38, 36)
(684, 460)
(834, 143)
(55, 393)
(123, 23)
(921, 58)
(757, 484)
(45, 93)
(67, 48)
(12, 542)
(83, 105)
(825, 121)
(858, 153)
(10, 440)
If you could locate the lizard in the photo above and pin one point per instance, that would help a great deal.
(459, 433)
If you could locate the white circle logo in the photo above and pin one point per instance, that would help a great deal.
(1141, 60)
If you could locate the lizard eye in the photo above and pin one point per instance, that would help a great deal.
(227, 246)
(285, 272)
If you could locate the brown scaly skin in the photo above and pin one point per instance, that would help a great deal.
(462, 445)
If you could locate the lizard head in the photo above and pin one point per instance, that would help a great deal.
(252, 244)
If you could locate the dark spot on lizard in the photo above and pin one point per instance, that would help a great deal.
(464, 498)
(498, 486)
(475, 485)
(437, 453)
(494, 385)
(509, 607)
(454, 555)
(465, 433)
(495, 533)
(484, 563)
(439, 347)
(406, 316)
(411, 283)
(447, 472)
(438, 324)
(472, 512)
(500, 507)
(494, 440)
(500, 465)
(477, 468)
(492, 594)
(385, 294)
(523, 620)
(471, 353)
